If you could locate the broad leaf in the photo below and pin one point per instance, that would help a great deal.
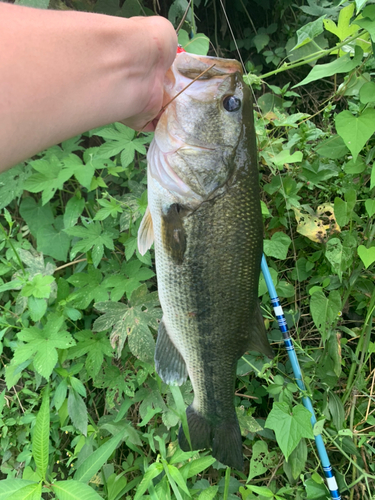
(277, 246)
(74, 490)
(343, 64)
(355, 130)
(9, 487)
(289, 426)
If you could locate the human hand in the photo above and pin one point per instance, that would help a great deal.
(155, 56)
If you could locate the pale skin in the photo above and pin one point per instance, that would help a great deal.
(63, 73)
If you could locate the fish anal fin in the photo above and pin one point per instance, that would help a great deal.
(258, 340)
(145, 233)
(169, 363)
(224, 438)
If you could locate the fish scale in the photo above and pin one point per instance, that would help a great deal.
(206, 222)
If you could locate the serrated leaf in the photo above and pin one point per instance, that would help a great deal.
(42, 344)
(40, 440)
(37, 308)
(355, 131)
(289, 426)
(11, 183)
(74, 490)
(77, 411)
(94, 462)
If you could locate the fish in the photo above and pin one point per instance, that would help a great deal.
(205, 221)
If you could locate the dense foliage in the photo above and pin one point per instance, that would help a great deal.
(82, 412)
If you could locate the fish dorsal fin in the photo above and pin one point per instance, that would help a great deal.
(145, 233)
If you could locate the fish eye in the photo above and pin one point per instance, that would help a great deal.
(231, 103)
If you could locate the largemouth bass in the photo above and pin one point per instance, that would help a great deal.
(205, 220)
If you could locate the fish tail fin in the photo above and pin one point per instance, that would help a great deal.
(224, 438)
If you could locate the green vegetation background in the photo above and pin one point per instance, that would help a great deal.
(82, 412)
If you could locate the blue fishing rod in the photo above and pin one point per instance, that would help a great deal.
(279, 313)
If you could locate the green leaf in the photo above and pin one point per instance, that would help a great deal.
(11, 184)
(35, 214)
(42, 344)
(260, 41)
(316, 491)
(74, 490)
(289, 426)
(8, 487)
(367, 93)
(367, 255)
(37, 308)
(370, 207)
(94, 238)
(332, 148)
(73, 210)
(77, 411)
(297, 459)
(325, 310)
(94, 462)
(343, 29)
(355, 131)
(96, 346)
(199, 44)
(197, 466)
(39, 287)
(334, 254)
(40, 440)
(284, 157)
(261, 460)
(50, 176)
(343, 64)
(308, 32)
(53, 241)
(30, 492)
(154, 470)
(277, 246)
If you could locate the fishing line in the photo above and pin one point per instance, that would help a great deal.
(279, 313)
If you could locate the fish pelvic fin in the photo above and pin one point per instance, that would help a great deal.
(169, 363)
(145, 233)
(258, 340)
(224, 438)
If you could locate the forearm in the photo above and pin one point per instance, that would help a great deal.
(62, 73)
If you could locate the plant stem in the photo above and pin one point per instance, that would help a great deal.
(227, 481)
(314, 57)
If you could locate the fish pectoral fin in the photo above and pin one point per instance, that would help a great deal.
(145, 233)
(173, 232)
(258, 340)
(224, 438)
(169, 363)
